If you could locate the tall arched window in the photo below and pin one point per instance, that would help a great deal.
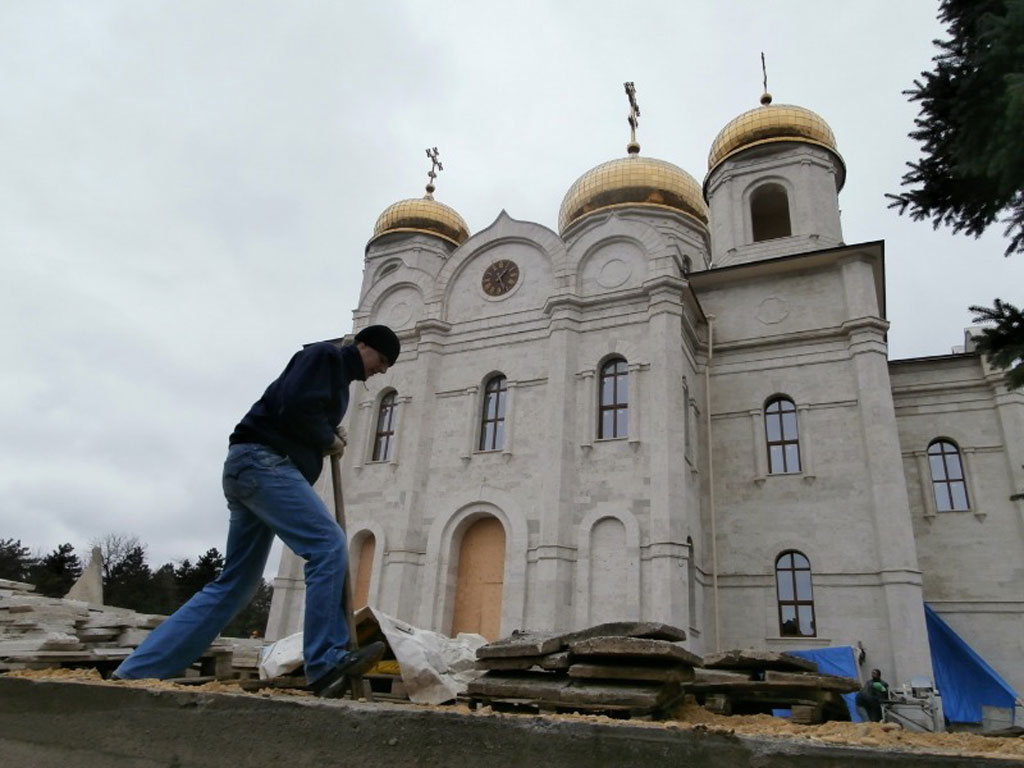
(781, 436)
(613, 413)
(796, 600)
(947, 476)
(384, 440)
(492, 421)
(769, 212)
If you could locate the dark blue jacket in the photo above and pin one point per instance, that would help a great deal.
(300, 409)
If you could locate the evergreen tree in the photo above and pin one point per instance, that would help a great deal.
(55, 574)
(1003, 344)
(254, 616)
(190, 579)
(969, 126)
(129, 584)
(970, 123)
(15, 560)
(164, 590)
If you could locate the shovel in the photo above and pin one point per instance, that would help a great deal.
(358, 689)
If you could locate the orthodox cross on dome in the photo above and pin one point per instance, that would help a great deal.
(634, 118)
(766, 98)
(435, 166)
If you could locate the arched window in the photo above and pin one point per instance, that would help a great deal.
(769, 212)
(796, 600)
(384, 440)
(388, 268)
(947, 476)
(613, 413)
(492, 421)
(781, 436)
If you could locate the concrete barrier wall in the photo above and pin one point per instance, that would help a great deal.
(47, 724)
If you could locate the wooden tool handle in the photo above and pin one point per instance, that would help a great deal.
(339, 516)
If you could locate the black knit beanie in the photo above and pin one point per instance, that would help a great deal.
(382, 339)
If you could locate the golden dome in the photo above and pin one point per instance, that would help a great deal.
(632, 180)
(771, 123)
(423, 214)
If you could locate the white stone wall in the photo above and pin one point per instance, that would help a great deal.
(973, 560)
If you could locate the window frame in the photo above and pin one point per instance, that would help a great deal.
(617, 369)
(496, 392)
(947, 483)
(783, 442)
(796, 602)
(384, 432)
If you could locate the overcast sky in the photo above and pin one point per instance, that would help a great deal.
(186, 189)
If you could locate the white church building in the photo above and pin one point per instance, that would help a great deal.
(679, 408)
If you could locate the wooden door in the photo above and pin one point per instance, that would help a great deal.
(480, 579)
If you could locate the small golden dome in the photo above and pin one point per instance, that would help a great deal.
(423, 214)
(771, 123)
(632, 180)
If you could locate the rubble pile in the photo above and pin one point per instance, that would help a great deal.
(38, 632)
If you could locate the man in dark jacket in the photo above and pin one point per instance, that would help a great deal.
(870, 697)
(275, 455)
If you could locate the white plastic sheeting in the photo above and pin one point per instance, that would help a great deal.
(435, 668)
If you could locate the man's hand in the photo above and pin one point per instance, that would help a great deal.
(337, 448)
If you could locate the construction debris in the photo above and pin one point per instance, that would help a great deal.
(641, 670)
(38, 632)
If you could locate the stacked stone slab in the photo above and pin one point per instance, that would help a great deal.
(38, 632)
(641, 669)
(631, 668)
(742, 681)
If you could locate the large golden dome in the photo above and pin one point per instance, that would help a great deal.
(632, 180)
(423, 214)
(771, 123)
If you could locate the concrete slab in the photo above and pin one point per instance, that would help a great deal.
(47, 724)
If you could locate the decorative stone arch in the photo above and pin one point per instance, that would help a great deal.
(362, 530)
(504, 230)
(631, 552)
(390, 265)
(651, 242)
(418, 281)
(758, 187)
(442, 558)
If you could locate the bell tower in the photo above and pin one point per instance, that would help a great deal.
(772, 187)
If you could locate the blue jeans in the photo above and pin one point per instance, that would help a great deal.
(266, 495)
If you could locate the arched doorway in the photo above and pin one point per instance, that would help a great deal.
(364, 568)
(480, 579)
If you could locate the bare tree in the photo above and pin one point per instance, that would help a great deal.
(115, 547)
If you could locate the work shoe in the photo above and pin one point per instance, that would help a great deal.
(332, 685)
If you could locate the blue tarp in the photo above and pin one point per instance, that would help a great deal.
(836, 661)
(964, 680)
